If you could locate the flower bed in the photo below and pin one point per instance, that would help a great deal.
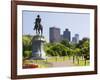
(30, 66)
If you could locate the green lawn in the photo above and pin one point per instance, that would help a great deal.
(57, 59)
(82, 63)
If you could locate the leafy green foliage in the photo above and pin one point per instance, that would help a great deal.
(65, 48)
(65, 43)
(84, 46)
(55, 50)
(27, 45)
(27, 54)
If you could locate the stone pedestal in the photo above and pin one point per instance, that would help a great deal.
(37, 47)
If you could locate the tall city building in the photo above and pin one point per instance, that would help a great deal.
(67, 35)
(54, 34)
(75, 39)
(61, 37)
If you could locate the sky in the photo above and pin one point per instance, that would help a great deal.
(77, 23)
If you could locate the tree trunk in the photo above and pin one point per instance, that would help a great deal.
(73, 59)
(78, 60)
(85, 62)
(63, 58)
(46, 59)
(56, 58)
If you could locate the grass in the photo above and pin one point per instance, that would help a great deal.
(82, 62)
(57, 59)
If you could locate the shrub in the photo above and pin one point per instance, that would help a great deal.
(27, 54)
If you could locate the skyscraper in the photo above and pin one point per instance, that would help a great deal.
(75, 39)
(66, 35)
(54, 34)
(61, 37)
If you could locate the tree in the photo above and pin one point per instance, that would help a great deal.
(84, 46)
(55, 49)
(27, 45)
(49, 52)
(73, 54)
(78, 54)
(60, 49)
(65, 43)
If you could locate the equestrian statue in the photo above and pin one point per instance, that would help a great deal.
(38, 27)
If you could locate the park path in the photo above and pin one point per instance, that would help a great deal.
(63, 64)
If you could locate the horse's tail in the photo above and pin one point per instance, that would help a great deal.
(35, 27)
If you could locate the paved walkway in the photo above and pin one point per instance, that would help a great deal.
(63, 64)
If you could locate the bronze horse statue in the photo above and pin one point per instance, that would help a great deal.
(38, 27)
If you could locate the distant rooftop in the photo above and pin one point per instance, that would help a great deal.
(66, 29)
(54, 27)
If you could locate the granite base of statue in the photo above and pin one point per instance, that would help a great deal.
(37, 47)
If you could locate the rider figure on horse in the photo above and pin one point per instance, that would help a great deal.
(38, 25)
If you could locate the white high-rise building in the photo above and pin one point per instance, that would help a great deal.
(75, 39)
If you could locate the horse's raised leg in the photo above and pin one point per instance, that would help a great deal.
(41, 32)
(36, 31)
